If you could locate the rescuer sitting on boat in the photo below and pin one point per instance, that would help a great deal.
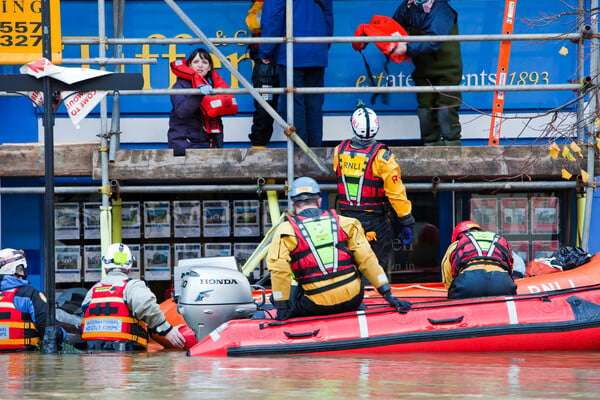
(23, 309)
(118, 308)
(326, 254)
(477, 263)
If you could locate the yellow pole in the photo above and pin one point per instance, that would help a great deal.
(105, 231)
(580, 217)
(261, 250)
(117, 213)
(273, 202)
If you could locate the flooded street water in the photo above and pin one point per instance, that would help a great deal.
(169, 374)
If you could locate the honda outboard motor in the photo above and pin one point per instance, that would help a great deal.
(212, 296)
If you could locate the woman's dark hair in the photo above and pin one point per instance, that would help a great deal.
(203, 55)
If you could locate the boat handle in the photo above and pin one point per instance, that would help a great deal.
(301, 335)
(445, 321)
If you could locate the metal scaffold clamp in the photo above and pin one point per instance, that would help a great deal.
(105, 190)
(260, 182)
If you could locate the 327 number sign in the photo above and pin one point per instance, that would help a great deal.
(21, 31)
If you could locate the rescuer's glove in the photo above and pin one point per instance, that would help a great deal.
(401, 306)
(405, 236)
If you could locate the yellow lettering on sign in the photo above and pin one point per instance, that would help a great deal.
(21, 31)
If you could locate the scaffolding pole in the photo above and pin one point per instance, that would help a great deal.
(589, 190)
(326, 187)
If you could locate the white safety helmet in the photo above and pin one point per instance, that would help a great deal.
(117, 256)
(10, 259)
(365, 123)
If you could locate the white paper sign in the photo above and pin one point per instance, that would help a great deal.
(79, 104)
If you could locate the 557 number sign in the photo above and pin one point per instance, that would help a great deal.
(21, 31)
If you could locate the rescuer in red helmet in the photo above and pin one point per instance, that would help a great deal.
(477, 263)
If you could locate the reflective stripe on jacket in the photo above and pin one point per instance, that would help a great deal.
(479, 248)
(17, 330)
(322, 254)
(109, 318)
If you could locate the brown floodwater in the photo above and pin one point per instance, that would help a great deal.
(173, 375)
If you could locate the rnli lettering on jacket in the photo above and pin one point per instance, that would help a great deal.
(480, 248)
(17, 330)
(357, 186)
(322, 252)
(108, 317)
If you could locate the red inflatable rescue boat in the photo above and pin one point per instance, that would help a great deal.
(567, 319)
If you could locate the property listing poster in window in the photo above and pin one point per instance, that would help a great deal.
(217, 249)
(544, 248)
(484, 211)
(514, 215)
(216, 220)
(66, 221)
(521, 247)
(131, 220)
(186, 215)
(157, 265)
(243, 251)
(544, 215)
(92, 263)
(246, 218)
(157, 219)
(267, 224)
(68, 263)
(184, 251)
(91, 220)
(135, 267)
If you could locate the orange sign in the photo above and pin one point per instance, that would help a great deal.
(21, 31)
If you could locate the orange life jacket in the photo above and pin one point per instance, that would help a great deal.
(361, 190)
(481, 248)
(108, 317)
(322, 252)
(381, 25)
(17, 330)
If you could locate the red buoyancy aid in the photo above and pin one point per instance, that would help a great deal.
(212, 106)
(481, 248)
(17, 330)
(108, 317)
(381, 25)
(322, 252)
(359, 190)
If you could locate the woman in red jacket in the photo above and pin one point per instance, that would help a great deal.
(195, 120)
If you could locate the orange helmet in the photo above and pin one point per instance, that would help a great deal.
(463, 227)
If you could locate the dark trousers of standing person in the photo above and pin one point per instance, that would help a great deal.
(308, 108)
(380, 223)
(262, 122)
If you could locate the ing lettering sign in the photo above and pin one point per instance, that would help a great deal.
(21, 31)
